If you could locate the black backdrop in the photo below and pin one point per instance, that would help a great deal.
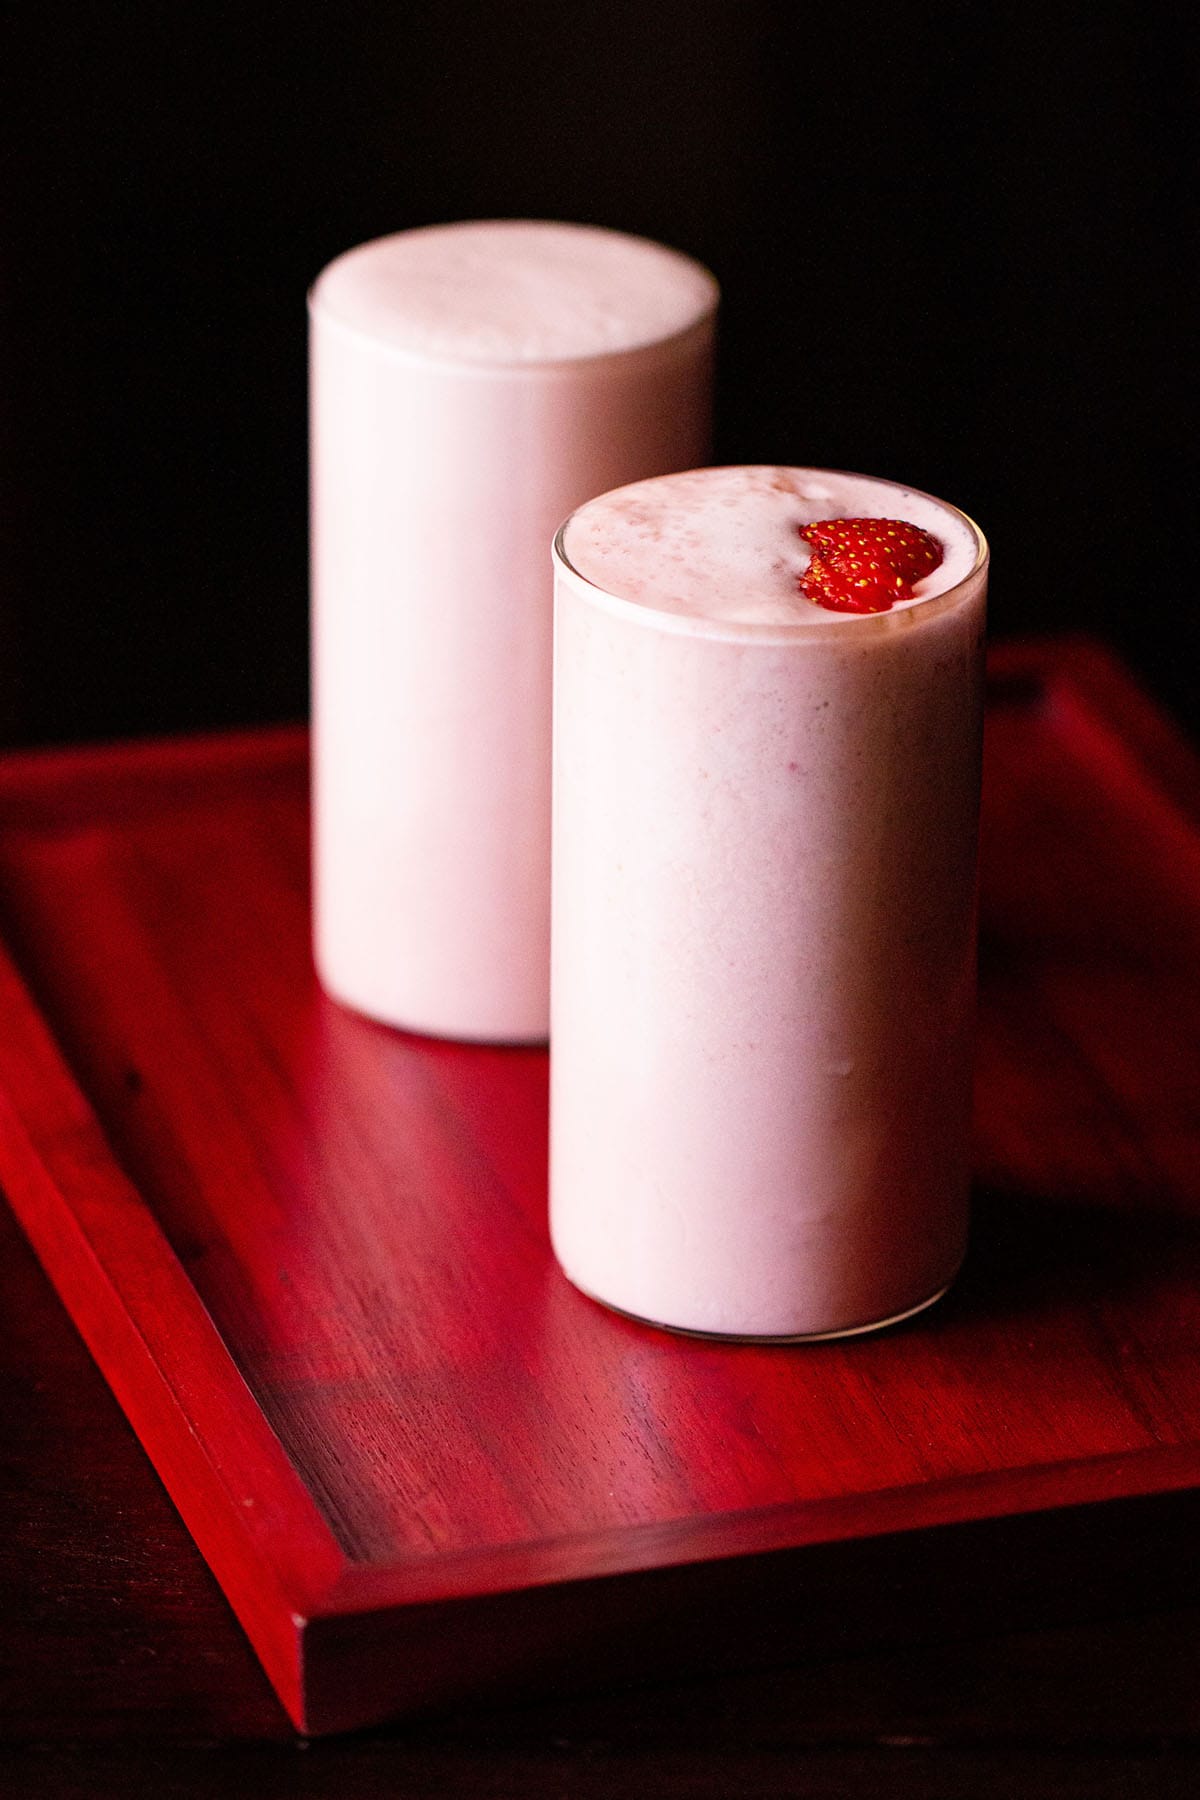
(949, 238)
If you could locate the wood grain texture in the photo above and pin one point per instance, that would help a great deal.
(122, 1671)
(310, 1253)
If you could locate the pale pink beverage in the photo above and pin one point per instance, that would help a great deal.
(765, 822)
(471, 384)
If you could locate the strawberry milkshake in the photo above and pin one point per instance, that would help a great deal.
(768, 709)
(471, 384)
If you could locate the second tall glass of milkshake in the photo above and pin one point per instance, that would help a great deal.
(471, 383)
(765, 823)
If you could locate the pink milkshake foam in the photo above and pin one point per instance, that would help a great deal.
(723, 544)
(515, 291)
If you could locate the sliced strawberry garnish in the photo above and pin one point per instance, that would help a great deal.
(866, 565)
(819, 583)
(851, 584)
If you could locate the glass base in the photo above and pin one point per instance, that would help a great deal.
(768, 1337)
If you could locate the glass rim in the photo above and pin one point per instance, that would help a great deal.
(686, 624)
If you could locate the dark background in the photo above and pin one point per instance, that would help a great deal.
(949, 239)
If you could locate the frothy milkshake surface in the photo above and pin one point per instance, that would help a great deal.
(515, 292)
(723, 544)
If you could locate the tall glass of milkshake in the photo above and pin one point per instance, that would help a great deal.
(768, 711)
(471, 383)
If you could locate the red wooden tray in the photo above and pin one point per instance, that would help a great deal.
(309, 1253)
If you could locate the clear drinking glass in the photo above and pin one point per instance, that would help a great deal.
(763, 964)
